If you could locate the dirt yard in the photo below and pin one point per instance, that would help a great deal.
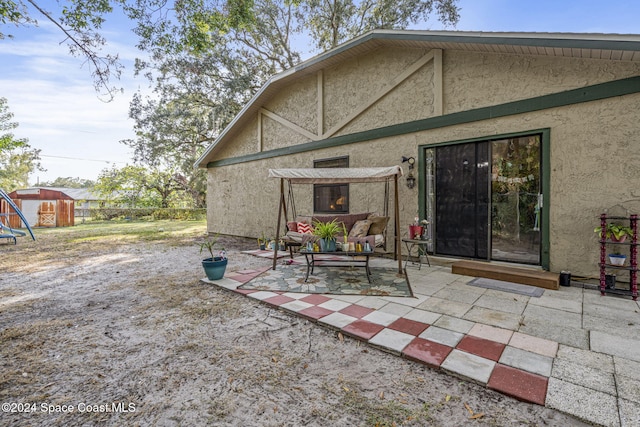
(110, 325)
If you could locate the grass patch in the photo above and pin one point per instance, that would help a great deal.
(67, 243)
(129, 231)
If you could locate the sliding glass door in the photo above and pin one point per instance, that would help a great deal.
(488, 202)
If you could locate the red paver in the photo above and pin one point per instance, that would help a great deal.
(278, 300)
(481, 347)
(427, 352)
(519, 384)
(356, 311)
(408, 326)
(315, 299)
(362, 329)
(242, 278)
(315, 312)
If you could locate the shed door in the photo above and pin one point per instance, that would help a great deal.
(47, 214)
(30, 211)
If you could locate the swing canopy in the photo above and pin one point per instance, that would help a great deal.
(339, 176)
(336, 175)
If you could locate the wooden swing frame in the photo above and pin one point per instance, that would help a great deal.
(340, 176)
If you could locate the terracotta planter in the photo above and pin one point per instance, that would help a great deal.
(620, 240)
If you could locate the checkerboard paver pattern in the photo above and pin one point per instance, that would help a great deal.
(454, 336)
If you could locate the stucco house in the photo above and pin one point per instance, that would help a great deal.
(519, 141)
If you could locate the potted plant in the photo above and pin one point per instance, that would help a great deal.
(262, 242)
(214, 266)
(614, 231)
(327, 231)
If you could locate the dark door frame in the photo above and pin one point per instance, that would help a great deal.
(545, 175)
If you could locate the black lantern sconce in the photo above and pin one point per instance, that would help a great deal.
(411, 180)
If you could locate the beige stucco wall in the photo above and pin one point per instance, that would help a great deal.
(594, 145)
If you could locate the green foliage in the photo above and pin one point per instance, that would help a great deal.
(207, 59)
(17, 158)
(7, 140)
(69, 182)
(14, 13)
(618, 231)
(329, 24)
(327, 230)
(148, 214)
(138, 186)
(209, 244)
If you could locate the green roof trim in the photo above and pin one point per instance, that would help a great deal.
(596, 92)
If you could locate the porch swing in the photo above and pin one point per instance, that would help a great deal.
(338, 176)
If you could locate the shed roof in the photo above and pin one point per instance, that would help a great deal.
(73, 193)
(612, 47)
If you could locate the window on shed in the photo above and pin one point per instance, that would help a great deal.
(331, 198)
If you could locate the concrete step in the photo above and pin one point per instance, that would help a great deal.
(525, 276)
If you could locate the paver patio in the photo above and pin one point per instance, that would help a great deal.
(571, 349)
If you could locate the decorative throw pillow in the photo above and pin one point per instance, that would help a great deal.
(378, 224)
(360, 228)
(292, 226)
(304, 228)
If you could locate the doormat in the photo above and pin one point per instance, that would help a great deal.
(333, 280)
(500, 285)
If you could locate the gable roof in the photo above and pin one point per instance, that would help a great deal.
(612, 47)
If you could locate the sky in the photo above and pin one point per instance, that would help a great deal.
(52, 97)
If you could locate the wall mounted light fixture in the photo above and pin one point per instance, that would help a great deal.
(411, 180)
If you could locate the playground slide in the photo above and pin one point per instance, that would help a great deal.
(17, 210)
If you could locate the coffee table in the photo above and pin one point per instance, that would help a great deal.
(354, 259)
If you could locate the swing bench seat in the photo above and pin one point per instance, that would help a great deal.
(356, 226)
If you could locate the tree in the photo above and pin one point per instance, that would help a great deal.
(136, 186)
(80, 22)
(332, 22)
(123, 186)
(207, 61)
(69, 182)
(8, 141)
(16, 166)
(17, 158)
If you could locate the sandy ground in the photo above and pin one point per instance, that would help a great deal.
(124, 333)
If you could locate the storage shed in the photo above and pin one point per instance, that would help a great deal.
(42, 207)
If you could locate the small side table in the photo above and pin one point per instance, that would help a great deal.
(419, 243)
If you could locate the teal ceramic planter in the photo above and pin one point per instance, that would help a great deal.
(214, 268)
(328, 245)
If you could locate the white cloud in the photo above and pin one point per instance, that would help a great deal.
(54, 101)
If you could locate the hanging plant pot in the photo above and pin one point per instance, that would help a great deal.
(214, 268)
(617, 259)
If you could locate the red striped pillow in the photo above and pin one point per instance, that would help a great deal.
(304, 228)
